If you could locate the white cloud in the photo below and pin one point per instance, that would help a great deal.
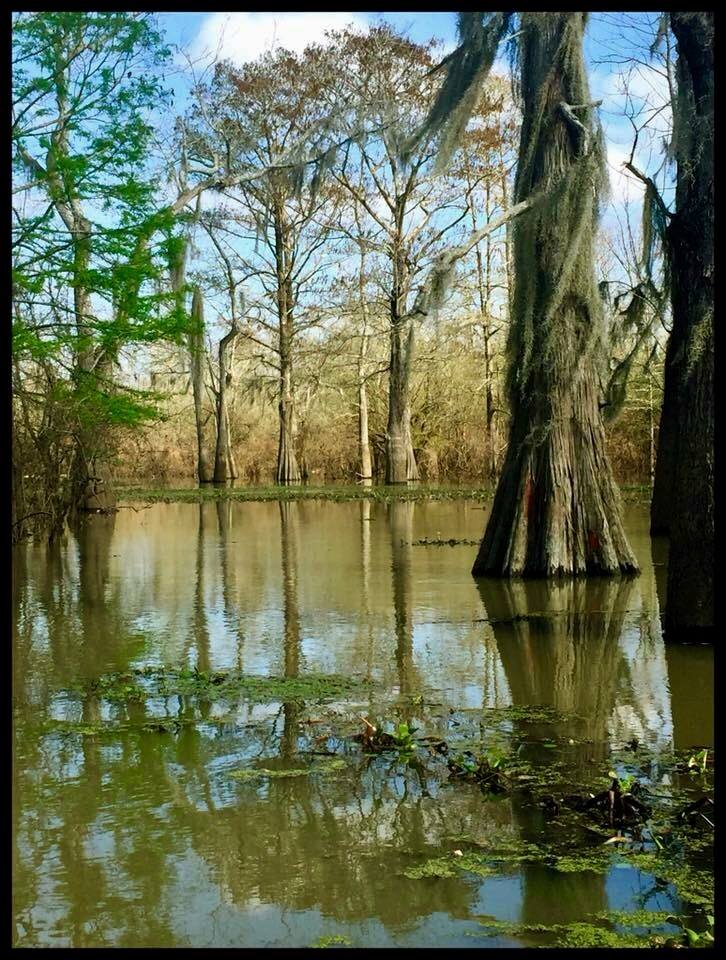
(624, 187)
(240, 36)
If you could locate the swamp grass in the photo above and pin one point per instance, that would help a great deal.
(338, 493)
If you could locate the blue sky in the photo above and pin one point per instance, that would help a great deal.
(245, 35)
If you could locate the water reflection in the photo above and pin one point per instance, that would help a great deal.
(400, 517)
(559, 645)
(144, 838)
(291, 619)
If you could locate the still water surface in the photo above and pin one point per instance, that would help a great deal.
(138, 838)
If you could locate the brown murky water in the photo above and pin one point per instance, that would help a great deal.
(138, 837)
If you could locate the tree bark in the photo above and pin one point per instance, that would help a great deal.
(365, 471)
(288, 470)
(223, 465)
(661, 505)
(689, 611)
(196, 353)
(400, 460)
(556, 510)
(91, 474)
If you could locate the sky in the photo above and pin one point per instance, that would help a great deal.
(200, 38)
(242, 36)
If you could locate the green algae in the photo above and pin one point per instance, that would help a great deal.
(336, 494)
(263, 773)
(578, 934)
(325, 767)
(145, 683)
(335, 940)
(694, 885)
(437, 867)
(114, 727)
(451, 542)
(637, 918)
(453, 866)
(590, 935)
(593, 861)
(533, 713)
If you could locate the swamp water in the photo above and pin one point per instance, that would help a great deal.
(158, 806)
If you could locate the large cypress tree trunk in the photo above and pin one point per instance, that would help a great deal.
(661, 505)
(400, 460)
(689, 610)
(556, 510)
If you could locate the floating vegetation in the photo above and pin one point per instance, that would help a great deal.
(637, 918)
(334, 940)
(637, 808)
(439, 867)
(337, 494)
(325, 767)
(113, 727)
(263, 773)
(147, 682)
(385, 735)
(591, 935)
(451, 542)
(693, 884)
(451, 866)
(528, 714)
(619, 805)
(583, 934)
(487, 769)
(594, 861)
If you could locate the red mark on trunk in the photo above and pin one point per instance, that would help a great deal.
(593, 541)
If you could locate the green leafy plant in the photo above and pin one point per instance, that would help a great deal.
(697, 763)
(403, 738)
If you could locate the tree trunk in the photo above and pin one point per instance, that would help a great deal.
(557, 509)
(287, 466)
(288, 470)
(661, 506)
(91, 474)
(365, 467)
(689, 611)
(400, 460)
(196, 353)
(231, 462)
(223, 469)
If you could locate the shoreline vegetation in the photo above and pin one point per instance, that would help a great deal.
(630, 493)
